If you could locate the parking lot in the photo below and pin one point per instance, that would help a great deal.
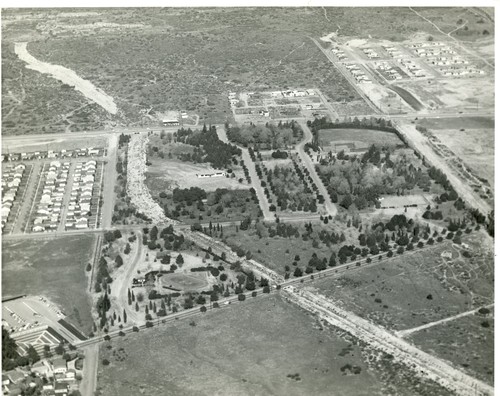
(30, 313)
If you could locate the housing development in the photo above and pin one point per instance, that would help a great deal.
(248, 201)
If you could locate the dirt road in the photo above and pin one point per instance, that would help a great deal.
(329, 205)
(406, 333)
(420, 143)
(423, 364)
(67, 76)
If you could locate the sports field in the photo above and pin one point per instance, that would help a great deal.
(362, 138)
(54, 269)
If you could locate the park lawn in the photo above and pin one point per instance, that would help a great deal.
(53, 268)
(395, 294)
(247, 349)
(366, 137)
(464, 342)
(277, 252)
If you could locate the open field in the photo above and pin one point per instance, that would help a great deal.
(188, 55)
(476, 147)
(421, 288)
(465, 341)
(243, 355)
(185, 281)
(362, 138)
(456, 123)
(55, 269)
(165, 175)
(34, 103)
(472, 139)
(48, 143)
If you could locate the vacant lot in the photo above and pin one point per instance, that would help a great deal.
(471, 138)
(467, 342)
(44, 144)
(54, 269)
(360, 137)
(165, 175)
(250, 349)
(457, 123)
(418, 288)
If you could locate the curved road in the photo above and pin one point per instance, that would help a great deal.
(329, 205)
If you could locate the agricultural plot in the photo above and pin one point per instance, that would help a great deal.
(54, 269)
(15, 179)
(418, 289)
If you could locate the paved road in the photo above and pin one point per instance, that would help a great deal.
(90, 364)
(110, 176)
(26, 199)
(186, 314)
(347, 76)
(67, 195)
(464, 190)
(245, 155)
(329, 205)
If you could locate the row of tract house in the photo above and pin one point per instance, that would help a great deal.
(53, 154)
(357, 73)
(54, 377)
(81, 195)
(48, 212)
(11, 180)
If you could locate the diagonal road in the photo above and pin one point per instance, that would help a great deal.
(329, 205)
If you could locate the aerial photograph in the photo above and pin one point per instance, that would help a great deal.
(248, 200)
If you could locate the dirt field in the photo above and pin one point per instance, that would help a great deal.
(167, 175)
(464, 341)
(360, 137)
(42, 144)
(54, 269)
(472, 139)
(230, 352)
(396, 294)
